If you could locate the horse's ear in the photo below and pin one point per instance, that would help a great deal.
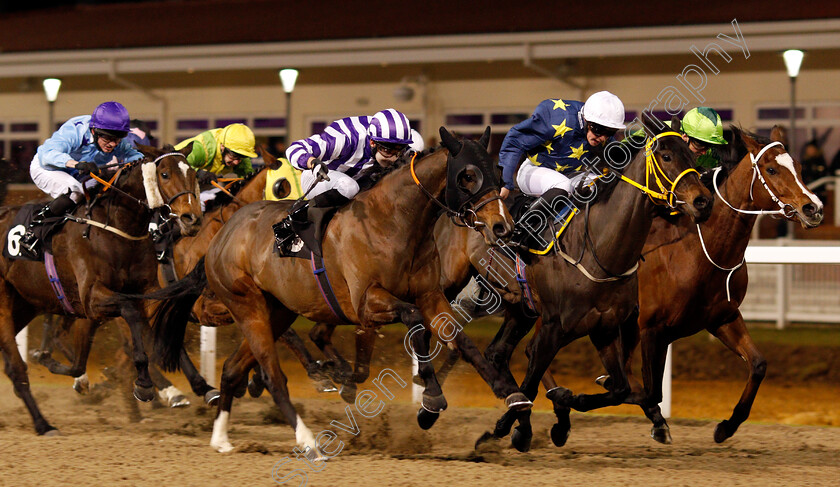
(746, 138)
(652, 124)
(187, 149)
(148, 151)
(777, 134)
(271, 162)
(485, 138)
(450, 142)
(676, 125)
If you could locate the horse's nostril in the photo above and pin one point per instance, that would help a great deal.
(500, 230)
(809, 210)
(701, 202)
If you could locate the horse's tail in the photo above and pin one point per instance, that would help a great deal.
(173, 313)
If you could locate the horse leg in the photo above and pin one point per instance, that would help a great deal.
(168, 393)
(736, 337)
(82, 331)
(15, 366)
(336, 368)
(365, 338)
(197, 382)
(261, 323)
(654, 352)
(515, 327)
(133, 314)
(435, 307)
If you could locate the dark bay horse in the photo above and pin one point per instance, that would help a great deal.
(595, 293)
(93, 267)
(382, 263)
(694, 276)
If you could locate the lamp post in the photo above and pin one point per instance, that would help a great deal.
(288, 77)
(51, 87)
(793, 61)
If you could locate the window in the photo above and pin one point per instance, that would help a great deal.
(817, 122)
(19, 140)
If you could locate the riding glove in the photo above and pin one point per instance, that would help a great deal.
(86, 168)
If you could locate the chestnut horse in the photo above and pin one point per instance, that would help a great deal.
(94, 264)
(694, 276)
(383, 267)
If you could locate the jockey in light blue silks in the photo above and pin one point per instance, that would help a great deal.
(78, 148)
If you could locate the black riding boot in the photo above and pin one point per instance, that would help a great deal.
(58, 207)
(310, 212)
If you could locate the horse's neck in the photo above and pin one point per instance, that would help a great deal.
(618, 226)
(400, 200)
(126, 213)
(727, 229)
(254, 189)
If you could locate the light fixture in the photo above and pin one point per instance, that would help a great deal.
(403, 93)
(288, 77)
(51, 87)
(793, 61)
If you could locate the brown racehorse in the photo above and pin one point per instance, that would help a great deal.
(382, 263)
(93, 267)
(595, 292)
(687, 284)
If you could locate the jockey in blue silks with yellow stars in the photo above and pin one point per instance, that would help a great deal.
(554, 142)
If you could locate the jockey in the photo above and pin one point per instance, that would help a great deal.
(77, 149)
(220, 151)
(332, 160)
(702, 128)
(554, 141)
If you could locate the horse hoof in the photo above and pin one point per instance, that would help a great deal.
(325, 385)
(434, 404)
(518, 402)
(223, 447)
(212, 397)
(144, 394)
(521, 439)
(52, 432)
(255, 388)
(560, 396)
(604, 381)
(179, 401)
(559, 435)
(661, 434)
(426, 419)
(81, 384)
(348, 393)
(416, 379)
(722, 432)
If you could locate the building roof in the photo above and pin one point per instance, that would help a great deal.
(208, 22)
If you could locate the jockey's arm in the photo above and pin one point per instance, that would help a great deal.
(522, 137)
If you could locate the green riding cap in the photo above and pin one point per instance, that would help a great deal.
(703, 124)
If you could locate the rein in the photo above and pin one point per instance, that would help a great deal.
(462, 212)
(653, 168)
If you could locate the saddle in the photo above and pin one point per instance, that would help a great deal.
(540, 221)
(44, 231)
(305, 226)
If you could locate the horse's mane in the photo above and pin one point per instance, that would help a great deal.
(735, 150)
(606, 186)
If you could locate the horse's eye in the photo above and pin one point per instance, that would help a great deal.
(666, 157)
(771, 171)
(164, 175)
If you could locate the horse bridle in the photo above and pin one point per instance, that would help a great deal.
(653, 168)
(786, 210)
(466, 209)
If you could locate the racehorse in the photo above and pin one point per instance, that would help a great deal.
(694, 276)
(93, 262)
(596, 292)
(383, 267)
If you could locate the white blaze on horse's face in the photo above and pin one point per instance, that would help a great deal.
(786, 161)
